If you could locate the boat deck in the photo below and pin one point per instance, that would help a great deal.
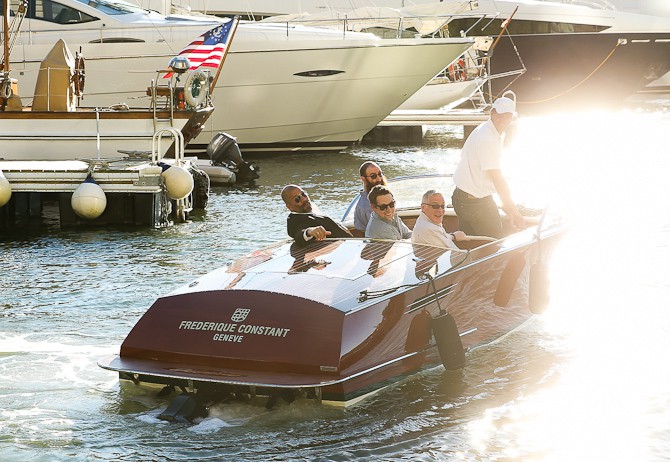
(124, 176)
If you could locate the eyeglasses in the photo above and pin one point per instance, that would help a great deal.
(299, 197)
(435, 206)
(383, 207)
(374, 176)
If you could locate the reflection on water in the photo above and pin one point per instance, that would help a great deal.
(586, 381)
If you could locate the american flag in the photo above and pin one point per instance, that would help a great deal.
(209, 49)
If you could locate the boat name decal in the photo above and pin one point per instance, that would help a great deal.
(232, 332)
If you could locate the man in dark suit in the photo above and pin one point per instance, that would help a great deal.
(304, 223)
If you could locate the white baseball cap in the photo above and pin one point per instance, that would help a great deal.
(504, 105)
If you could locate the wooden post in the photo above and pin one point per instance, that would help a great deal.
(5, 37)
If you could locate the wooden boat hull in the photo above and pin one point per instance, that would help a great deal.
(340, 318)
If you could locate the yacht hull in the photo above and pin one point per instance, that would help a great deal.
(271, 94)
(87, 134)
(567, 72)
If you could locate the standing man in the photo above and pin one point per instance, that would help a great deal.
(371, 176)
(384, 222)
(303, 224)
(428, 228)
(478, 176)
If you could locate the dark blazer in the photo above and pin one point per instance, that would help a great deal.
(296, 223)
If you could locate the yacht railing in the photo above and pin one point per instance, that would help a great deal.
(599, 4)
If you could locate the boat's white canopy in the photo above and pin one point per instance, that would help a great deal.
(425, 19)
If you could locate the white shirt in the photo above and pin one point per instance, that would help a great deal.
(481, 152)
(427, 232)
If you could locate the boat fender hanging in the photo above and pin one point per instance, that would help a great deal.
(538, 288)
(448, 341)
(195, 88)
(5, 189)
(178, 181)
(88, 200)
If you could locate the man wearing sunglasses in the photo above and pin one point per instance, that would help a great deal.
(478, 176)
(428, 228)
(371, 176)
(384, 222)
(304, 223)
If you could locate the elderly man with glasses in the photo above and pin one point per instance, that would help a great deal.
(428, 228)
(371, 176)
(384, 222)
(305, 221)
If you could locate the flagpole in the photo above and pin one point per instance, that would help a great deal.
(223, 58)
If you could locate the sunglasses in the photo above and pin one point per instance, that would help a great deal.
(374, 176)
(385, 206)
(435, 206)
(299, 196)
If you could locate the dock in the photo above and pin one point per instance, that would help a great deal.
(134, 190)
(407, 127)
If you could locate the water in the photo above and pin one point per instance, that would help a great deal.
(586, 381)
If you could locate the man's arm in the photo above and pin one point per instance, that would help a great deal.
(502, 188)
(296, 225)
(299, 229)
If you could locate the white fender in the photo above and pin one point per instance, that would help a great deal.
(5, 190)
(88, 200)
(178, 181)
(195, 88)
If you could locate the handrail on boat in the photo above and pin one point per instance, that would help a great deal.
(176, 136)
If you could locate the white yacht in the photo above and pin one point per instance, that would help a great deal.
(553, 55)
(282, 87)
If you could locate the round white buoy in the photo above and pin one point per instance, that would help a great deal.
(178, 181)
(89, 200)
(5, 189)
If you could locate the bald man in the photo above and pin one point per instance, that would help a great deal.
(303, 224)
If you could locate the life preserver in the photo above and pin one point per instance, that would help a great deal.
(195, 88)
(79, 77)
(6, 89)
(457, 71)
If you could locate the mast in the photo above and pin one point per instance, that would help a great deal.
(5, 38)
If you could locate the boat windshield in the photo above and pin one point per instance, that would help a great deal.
(113, 7)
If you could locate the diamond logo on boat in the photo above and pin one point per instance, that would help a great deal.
(240, 314)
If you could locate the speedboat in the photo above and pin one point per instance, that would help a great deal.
(282, 88)
(339, 319)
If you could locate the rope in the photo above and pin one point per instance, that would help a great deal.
(577, 84)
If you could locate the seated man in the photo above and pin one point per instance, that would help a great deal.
(428, 228)
(303, 224)
(371, 176)
(384, 222)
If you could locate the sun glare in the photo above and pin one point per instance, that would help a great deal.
(608, 173)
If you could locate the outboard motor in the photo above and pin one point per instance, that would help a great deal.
(224, 151)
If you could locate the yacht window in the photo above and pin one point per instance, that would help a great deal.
(516, 27)
(113, 6)
(47, 10)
